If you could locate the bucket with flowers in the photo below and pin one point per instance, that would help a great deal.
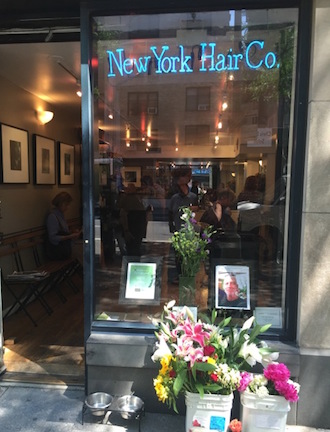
(202, 360)
(191, 247)
(266, 397)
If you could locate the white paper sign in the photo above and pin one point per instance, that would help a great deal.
(269, 315)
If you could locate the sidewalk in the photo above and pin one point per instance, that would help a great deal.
(59, 409)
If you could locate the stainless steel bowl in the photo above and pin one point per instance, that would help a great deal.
(129, 406)
(98, 403)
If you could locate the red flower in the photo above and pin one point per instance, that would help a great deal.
(172, 373)
(214, 377)
(208, 350)
(235, 426)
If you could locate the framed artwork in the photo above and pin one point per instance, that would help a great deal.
(132, 175)
(44, 159)
(232, 287)
(66, 164)
(14, 155)
(140, 281)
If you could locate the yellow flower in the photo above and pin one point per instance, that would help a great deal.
(211, 360)
(161, 391)
(165, 362)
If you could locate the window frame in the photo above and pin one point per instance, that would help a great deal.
(299, 124)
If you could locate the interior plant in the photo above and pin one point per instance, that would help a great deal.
(203, 357)
(275, 380)
(191, 243)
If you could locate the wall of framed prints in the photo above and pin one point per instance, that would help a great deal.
(37, 161)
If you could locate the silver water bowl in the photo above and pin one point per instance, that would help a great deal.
(129, 406)
(98, 403)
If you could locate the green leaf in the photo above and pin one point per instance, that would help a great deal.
(179, 381)
(205, 367)
(265, 328)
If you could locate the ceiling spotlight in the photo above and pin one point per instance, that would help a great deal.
(224, 105)
(44, 116)
(110, 116)
(128, 144)
(149, 143)
(216, 139)
(79, 93)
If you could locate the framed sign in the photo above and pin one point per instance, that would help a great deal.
(14, 155)
(44, 159)
(140, 281)
(66, 164)
(232, 287)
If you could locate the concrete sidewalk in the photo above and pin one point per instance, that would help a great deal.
(32, 408)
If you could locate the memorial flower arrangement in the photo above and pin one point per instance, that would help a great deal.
(202, 356)
(191, 243)
(275, 380)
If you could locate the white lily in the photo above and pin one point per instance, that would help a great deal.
(250, 353)
(248, 323)
(161, 351)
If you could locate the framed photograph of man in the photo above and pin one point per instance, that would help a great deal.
(232, 287)
(14, 155)
(66, 164)
(44, 159)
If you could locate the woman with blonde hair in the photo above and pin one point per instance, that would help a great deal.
(59, 237)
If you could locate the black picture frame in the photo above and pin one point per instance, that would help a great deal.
(44, 160)
(148, 293)
(66, 164)
(14, 155)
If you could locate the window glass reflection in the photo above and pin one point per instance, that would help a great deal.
(193, 110)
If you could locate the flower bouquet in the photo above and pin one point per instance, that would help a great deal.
(191, 243)
(201, 356)
(275, 381)
(267, 396)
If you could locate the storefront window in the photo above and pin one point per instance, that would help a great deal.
(192, 109)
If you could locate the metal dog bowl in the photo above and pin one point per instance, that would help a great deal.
(129, 406)
(98, 403)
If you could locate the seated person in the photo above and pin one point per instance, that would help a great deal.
(219, 216)
(59, 237)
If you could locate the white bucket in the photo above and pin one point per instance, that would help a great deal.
(210, 413)
(263, 414)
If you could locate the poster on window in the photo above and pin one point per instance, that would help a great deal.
(141, 281)
(232, 287)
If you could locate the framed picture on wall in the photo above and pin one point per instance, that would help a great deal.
(66, 164)
(14, 155)
(44, 160)
(132, 175)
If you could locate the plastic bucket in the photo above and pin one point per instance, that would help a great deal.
(210, 413)
(263, 414)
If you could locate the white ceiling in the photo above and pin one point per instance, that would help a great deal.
(50, 71)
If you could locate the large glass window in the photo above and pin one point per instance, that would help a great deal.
(193, 110)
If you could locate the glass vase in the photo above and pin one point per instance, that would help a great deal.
(187, 290)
